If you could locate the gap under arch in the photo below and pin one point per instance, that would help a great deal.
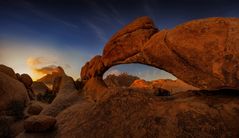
(125, 75)
(142, 71)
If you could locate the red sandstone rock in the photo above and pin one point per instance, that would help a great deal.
(128, 41)
(173, 86)
(202, 53)
(11, 91)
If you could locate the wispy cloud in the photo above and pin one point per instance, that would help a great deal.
(103, 17)
(31, 61)
(148, 9)
(46, 70)
(115, 14)
(98, 31)
(48, 16)
(41, 65)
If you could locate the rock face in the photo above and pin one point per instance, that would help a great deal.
(142, 84)
(7, 70)
(131, 113)
(56, 85)
(11, 91)
(126, 43)
(150, 88)
(39, 123)
(34, 109)
(26, 80)
(67, 95)
(203, 53)
(173, 86)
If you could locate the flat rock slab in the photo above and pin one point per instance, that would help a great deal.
(39, 123)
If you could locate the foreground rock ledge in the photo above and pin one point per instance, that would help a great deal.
(39, 123)
(203, 53)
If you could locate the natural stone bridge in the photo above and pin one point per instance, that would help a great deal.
(203, 53)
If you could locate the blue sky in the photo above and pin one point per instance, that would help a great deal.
(69, 32)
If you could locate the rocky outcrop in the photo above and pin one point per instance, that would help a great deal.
(13, 93)
(121, 80)
(147, 86)
(126, 43)
(8, 71)
(39, 88)
(39, 123)
(173, 86)
(49, 79)
(142, 84)
(67, 96)
(184, 114)
(202, 53)
(26, 80)
(34, 108)
(56, 85)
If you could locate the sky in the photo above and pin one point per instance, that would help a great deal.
(40, 34)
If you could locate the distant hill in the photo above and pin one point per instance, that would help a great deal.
(170, 85)
(48, 79)
(122, 80)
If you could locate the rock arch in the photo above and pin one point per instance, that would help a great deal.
(203, 53)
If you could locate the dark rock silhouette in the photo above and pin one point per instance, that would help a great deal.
(8, 71)
(39, 123)
(26, 80)
(203, 53)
